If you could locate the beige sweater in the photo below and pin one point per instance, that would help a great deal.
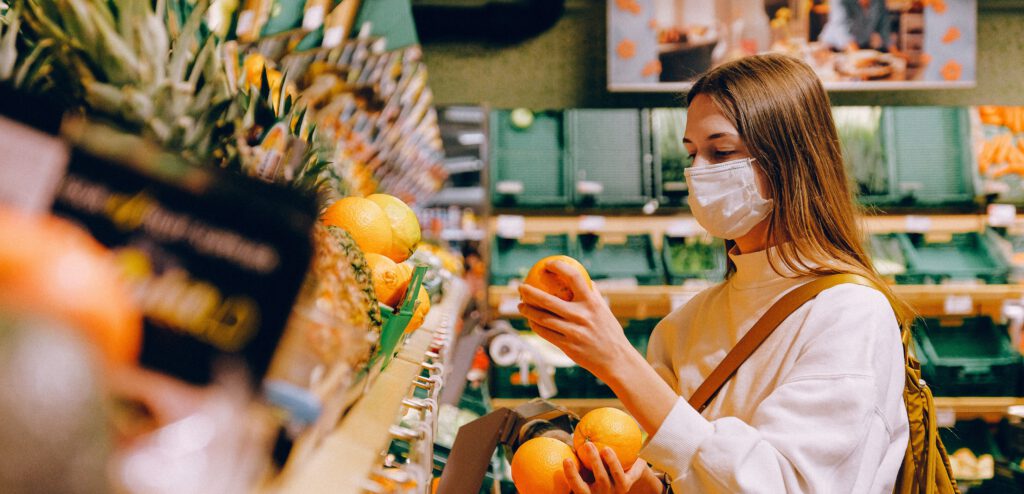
(818, 408)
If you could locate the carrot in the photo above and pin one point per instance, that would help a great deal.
(985, 157)
(1002, 151)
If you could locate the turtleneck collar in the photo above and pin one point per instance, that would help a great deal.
(753, 270)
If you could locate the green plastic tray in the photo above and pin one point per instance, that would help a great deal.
(512, 259)
(929, 149)
(634, 258)
(530, 160)
(968, 256)
(887, 255)
(609, 148)
(395, 322)
(967, 356)
(689, 259)
(670, 155)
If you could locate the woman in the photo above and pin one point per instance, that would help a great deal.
(818, 407)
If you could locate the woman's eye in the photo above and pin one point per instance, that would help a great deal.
(723, 154)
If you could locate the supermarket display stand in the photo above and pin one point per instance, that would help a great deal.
(354, 451)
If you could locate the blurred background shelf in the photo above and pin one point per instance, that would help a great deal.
(640, 302)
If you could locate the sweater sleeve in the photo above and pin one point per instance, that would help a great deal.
(822, 424)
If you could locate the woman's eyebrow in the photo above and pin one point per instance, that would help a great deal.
(717, 135)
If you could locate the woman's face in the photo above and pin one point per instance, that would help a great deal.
(710, 138)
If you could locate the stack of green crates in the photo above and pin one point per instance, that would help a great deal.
(527, 164)
(967, 356)
(909, 156)
(634, 258)
(609, 148)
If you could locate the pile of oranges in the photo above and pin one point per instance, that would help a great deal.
(387, 231)
(537, 464)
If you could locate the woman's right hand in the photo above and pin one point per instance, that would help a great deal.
(609, 476)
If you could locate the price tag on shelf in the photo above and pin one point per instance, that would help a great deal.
(592, 224)
(511, 226)
(918, 224)
(1002, 215)
(945, 417)
(687, 227)
(958, 304)
(589, 187)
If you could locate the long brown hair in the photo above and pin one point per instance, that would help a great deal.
(779, 107)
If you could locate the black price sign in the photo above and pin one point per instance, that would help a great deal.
(214, 259)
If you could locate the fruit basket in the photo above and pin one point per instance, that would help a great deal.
(606, 152)
(967, 356)
(610, 258)
(511, 259)
(692, 258)
(971, 256)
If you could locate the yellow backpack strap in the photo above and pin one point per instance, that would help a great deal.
(764, 327)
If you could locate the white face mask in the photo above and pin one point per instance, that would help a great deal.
(725, 199)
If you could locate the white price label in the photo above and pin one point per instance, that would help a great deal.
(1002, 215)
(313, 18)
(589, 187)
(945, 417)
(687, 227)
(510, 226)
(333, 36)
(918, 224)
(958, 304)
(509, 187)
(592, 224)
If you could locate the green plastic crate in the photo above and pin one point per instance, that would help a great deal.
(396, 321)
(608, 149)
(527, 165)
(976, 435)
(967, 356)
(633, 258)
(670, 156)
(929, 149)
(968, 256)
(691, 259)
(511, 259)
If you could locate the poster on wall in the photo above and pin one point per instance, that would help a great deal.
(662, 45)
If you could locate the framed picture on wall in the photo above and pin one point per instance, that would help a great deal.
(662, 45)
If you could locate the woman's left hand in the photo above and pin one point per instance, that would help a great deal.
(584, 328)
(609, 475)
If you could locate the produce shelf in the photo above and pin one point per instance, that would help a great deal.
(658, 225)
(639, 302)
(345, 459)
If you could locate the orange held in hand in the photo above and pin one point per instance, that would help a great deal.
(612, 428)
(542, 277)
(537, 466)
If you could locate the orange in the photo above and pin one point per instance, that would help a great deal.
(613, 428)
(422, 307)
(537, 466)
(52, 268)
(387, 279)
(405, 227)
(541, 277)
(364, 220)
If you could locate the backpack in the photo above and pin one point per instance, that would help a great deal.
(925, 468)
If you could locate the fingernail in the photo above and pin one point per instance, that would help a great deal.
(607, 451)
